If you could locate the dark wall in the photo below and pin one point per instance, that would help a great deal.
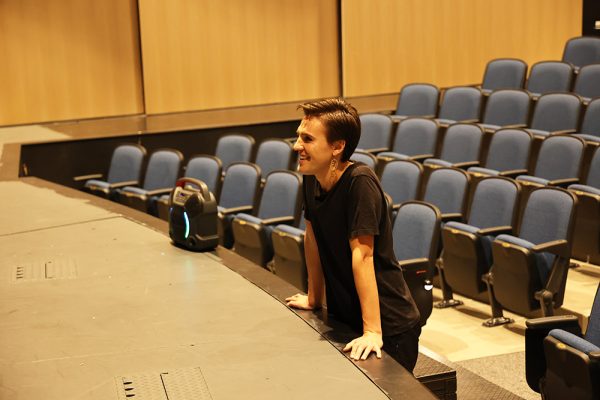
(59, 162)
(591, 14)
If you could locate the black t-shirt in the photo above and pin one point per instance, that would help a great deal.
(356, 206)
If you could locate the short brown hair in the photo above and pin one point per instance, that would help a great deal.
(340, 119)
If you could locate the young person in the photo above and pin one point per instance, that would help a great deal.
(348, 240)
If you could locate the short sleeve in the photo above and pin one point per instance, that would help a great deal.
(364, 207)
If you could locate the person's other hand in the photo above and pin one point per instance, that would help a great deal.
(300, 301)
(361, 347)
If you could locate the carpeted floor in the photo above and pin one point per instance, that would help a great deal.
(505, 370)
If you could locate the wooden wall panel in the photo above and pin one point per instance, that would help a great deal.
(207, 54)
(68, 59)
(388, 43)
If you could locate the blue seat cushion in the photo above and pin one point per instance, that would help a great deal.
(533, 179)
(585, 188)
(134, 190)
(96, 183)
(543, 261)
(573, 341)
(588, 138)
(395, 156)
(484, 171)
(438, 162)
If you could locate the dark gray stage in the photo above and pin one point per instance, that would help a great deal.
(95, 303)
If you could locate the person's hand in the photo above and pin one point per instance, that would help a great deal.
(300, 301)
(361, 347)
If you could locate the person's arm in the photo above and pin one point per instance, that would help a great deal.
(363, 269)
(316, 285)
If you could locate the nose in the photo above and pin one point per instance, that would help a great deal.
(298, 145)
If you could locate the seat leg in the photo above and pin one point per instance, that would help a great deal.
(498, 317)
(448, 300)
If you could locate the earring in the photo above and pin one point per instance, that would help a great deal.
(332, 168)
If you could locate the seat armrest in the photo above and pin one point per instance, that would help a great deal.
(513, 172)
(594, 355)
(554, 322)
(564, 132)
(119, 185)
(157, 192)
(563, 182)
(235, 210)
(377, 150)
(420, 157)
(414, 263)
(495, 230)
(278, 220)
(452, 217)
(558, 247)
(514, 126)
(469, 121)
(466, 164)
(86, 177)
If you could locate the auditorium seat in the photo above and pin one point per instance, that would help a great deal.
(508, 154)
(561, 362)
(460, 104)
(416, 139)
(238, 194)
(125, 169)
(558, 162)
(581, 51)
(234, 148)
(587, 82)
(503, 73)
(461, 147)
(586, 238)
(467, 253)
(506, 108)
(160, 177)
(289, 262)
(376, 133)
(280, 203)
(549, 77)
(417, 100)
(364, 157)
(203, 167)
(274, 154)
(530, 268)
(416, 231)
(447, 188)
(590, 127)
(401, 180)
(555, 112)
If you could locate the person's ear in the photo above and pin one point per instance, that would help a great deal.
(338, 147)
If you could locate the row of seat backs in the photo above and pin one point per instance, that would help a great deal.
(552, 111)
(271, 155)
(509, 151)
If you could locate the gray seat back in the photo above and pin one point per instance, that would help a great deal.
(418, 99)
(413, 230)
(547, 215)
(581, 51)
(504, 73)
(364, 157)
(446, 189)
(556, 112)
(462, 143)
(461, 103)
(509, 150)
(163, 169)
(401, 180)
(550, 76)
(207, 169)
(281, 195)
(591, 119)
(240, 185)
(416, 136)
(559, 157)
(587, 83)
(274, 154)
(375, 131)
(507, 107)
(494, 202)
(126, 163)
(234, 148)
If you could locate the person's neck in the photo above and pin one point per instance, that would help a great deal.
(328, 180)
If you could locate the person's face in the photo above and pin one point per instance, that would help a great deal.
(314, 151)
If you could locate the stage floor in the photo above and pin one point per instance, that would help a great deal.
(95, 305)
